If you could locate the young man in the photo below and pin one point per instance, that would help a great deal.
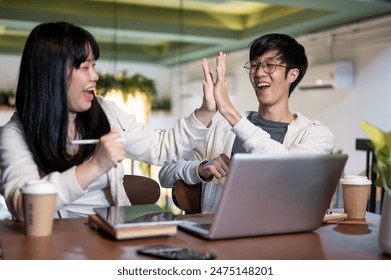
(276, 66)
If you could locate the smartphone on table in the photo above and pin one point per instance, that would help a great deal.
(175, 253)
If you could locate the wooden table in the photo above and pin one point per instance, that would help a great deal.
(75, 239)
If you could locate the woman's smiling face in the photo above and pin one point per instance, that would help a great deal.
(82, 85)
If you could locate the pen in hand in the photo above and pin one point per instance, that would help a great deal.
(93, 141)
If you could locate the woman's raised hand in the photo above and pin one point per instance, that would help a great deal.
(219, 88)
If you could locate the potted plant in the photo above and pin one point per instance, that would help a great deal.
(381, 145)
(7, 97)
(161, 104)
(127, 85)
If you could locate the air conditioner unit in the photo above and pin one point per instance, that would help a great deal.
(335, 75)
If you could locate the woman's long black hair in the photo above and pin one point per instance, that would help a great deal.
(51, 52)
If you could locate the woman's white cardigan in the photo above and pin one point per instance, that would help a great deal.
(142, 144)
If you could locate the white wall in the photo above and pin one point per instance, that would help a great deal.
(9, 67)
(9, 71)
(369, 100)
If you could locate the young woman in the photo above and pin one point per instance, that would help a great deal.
(55, 104)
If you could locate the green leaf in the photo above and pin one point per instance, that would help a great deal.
(381, 145)
(375, 135)
(387, 139)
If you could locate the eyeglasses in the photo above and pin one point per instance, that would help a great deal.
(269, 66)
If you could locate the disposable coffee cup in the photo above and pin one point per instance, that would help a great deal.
(39, 201)
(355, 193)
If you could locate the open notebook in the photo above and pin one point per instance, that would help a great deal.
(272, 194)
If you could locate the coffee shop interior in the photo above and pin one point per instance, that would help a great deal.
(348, 43)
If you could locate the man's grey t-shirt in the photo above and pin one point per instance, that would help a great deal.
(277, 130)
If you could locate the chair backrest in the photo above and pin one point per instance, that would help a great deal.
(364, 145)
(187, 197)
(141, 189)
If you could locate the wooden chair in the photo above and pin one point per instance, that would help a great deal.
(364, 145)
(187, 197)
(141, 189)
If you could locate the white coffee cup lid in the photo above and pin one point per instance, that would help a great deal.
(355, 180)
(39, 187)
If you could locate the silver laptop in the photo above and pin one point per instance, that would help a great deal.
(272, 194)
